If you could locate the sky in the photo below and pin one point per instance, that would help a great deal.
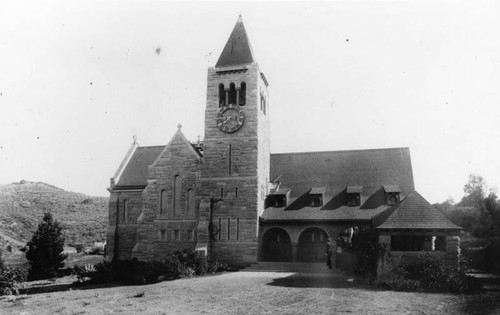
(79, 79)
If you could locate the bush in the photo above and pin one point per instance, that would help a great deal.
(179, 265)
(45, 249)
(426, 273)
(367, 250)
(10, 278)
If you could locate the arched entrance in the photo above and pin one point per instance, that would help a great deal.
(312, 245)
(276, 245)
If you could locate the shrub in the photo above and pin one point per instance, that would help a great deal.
(367, 250)
(426, 273)
(10, 278)
(45, 249)
(179, 265)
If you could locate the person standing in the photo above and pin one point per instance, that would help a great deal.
(329, 253)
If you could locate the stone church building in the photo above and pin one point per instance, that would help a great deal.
(229, 197)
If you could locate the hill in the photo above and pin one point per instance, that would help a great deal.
(22, 205)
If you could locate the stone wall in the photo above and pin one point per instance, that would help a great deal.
(235, 170)
(162, 230)
(124, 209)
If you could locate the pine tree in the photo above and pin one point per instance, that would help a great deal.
(45, 249)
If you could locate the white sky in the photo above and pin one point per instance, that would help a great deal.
(79, 79)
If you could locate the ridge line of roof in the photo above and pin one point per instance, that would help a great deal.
(342, 151)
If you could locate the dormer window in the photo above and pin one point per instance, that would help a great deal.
(316, 196)
(353, 196)
(392, 194)
(278, 199)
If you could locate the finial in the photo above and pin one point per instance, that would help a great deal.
(179, 126)
(135, 139)
(239, 18)
(198, 139)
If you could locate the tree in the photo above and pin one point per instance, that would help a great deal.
(45, 249)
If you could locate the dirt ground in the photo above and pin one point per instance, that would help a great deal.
(247, 292)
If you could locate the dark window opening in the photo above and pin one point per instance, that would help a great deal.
(232, 94)
(228, 229)
(163, 202)
(222, 193)
(237, 228)
(125, 210)
(243, 94)
(218, 230)
(412, 243)
(222, 95)
(392, 199)
(353, 199)
(276, 201)
(316, 201)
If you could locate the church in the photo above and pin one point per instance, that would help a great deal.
(230, 198)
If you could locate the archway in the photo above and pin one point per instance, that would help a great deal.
(276, 245)
(312, 245)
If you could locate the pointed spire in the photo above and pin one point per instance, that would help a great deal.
(237, 50)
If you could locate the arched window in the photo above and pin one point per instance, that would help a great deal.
(177, 194)
(190, 199)
(232, 93)
(163, 201)
(243, 94)
(222, 95)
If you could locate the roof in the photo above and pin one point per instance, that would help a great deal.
(281, 191)
(392, 188)
(414, 212)
(317, 191)
(237, 50)
(136, 170)
(344, 213)
(354, 189)
(335, 170)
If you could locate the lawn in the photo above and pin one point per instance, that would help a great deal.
(246, 292)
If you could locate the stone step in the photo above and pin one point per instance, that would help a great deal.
(303, 267)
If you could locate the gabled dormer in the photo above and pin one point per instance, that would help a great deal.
(353, 196)
(278, 198)
(316, 196)
(392, 193)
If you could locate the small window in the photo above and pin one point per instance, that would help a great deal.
(190, 235)
(176, 235)
(228, 229)
(316, 201)
(163, 235)
(353, 200)
(219, 229)
(125, 210)
(392, 199)
(163, 201)
(237, 228)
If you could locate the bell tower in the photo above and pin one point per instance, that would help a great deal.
(236, 153)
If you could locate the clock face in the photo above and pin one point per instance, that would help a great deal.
(230, 118)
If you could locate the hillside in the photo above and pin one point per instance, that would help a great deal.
(22, 206)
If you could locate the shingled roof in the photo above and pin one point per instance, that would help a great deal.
(414, 212)
(343, 213)
(237, 50)
(136, 170)
(335, 170)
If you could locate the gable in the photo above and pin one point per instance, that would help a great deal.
(414, 212)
